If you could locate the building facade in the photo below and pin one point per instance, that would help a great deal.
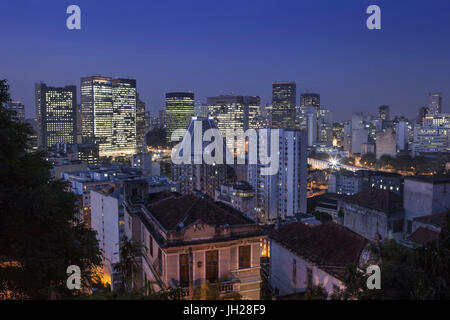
(303, 256)
(192, 241)
(179, 111)
(374, 214)
(283, 193)
(56, 114)
(284, 96)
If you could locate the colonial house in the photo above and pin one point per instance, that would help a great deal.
(190, 239)
(374, 214)
(303, 256)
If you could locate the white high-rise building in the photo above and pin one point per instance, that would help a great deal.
(282, 194)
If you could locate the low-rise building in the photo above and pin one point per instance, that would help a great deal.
(389, 181)
(240, 196)
(425, 195)
(303, 256)
(346, 182)
(374, 214)
(192, 239)
(427, 229)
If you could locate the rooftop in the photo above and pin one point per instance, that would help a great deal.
(437, 220)
(330, 246)
(174, 210)
(377, 199)
(423, 235)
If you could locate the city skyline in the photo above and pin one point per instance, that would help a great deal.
(239, 53)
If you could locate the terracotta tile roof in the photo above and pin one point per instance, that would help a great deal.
(423, 235)
(437, 220)
(330, 246)
(172, 210)
(377, 199)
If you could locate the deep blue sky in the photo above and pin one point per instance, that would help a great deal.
(215, 47)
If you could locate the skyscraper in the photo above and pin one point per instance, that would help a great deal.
(234, 113)
(283, 104)
(423, 111)
(435, 103)
(124, 116)
(56, 114)
(203, 177)
(108, 108)
(384, 113)
(310, 99)
(140, 122)
(18, 108)
(179, 111)
(97, 111)
(282, 194)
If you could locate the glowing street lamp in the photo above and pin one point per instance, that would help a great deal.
(334, 162)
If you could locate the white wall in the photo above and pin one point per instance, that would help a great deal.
(281, 271)
(105, 220)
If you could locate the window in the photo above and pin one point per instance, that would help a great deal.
(212, 265)
(309, 277)
(244, 257)
(184, 270)
(150, 245)
(294, 271)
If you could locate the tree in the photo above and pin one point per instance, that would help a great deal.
(368, 159)
(315, 293)
(130, 252)
(406, 273)
(434, 262)
(40, 234)
(348, 161)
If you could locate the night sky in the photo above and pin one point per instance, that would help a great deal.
(217, 47)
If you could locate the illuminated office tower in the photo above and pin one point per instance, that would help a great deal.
(179, 111)
(234, 113)
(310, 99)
(18, 108)
(140, 122)
(97, 112)
(123, 139)
(384, 113)
(56, 114)
(283, 104)
(253, 112)
(435, 103)
(201, 110)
